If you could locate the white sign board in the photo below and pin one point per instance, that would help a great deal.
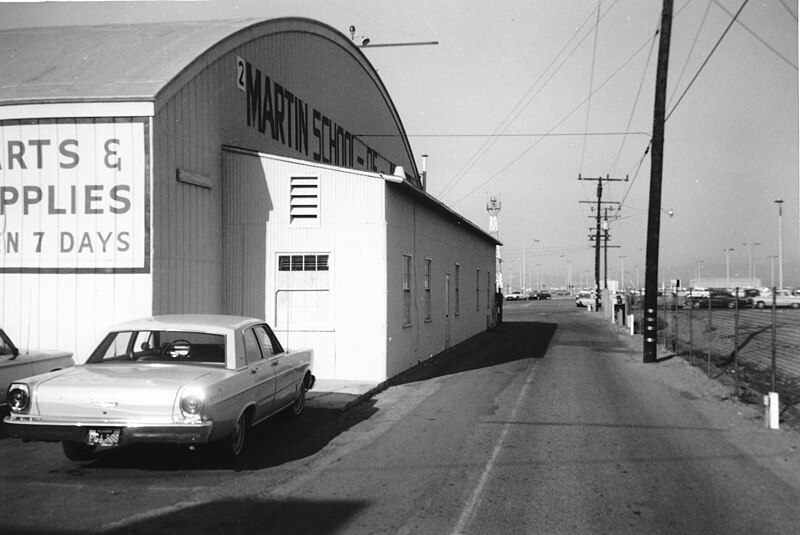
(74, 195)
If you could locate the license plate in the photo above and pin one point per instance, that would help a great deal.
(103, 437)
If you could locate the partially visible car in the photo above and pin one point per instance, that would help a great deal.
(176, 379)
(515, 296)
(584, 299)
(783, 298)
(16, 364)
(717, 299)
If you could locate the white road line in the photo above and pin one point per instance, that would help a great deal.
(471, 507)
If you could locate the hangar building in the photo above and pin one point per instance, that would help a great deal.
(256, 168)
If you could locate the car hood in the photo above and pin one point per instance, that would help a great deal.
(44, 353)
(115, 391)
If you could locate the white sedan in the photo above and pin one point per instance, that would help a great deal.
(16, 364)
(182, 379)
(783, 298)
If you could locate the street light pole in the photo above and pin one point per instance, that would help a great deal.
(622, 272)
(727, 265)
(750, 261)
(779, 202)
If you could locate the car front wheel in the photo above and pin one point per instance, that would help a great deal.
(77, 451)
(235, 443)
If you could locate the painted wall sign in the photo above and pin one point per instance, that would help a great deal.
(283, 116)
(74, 195)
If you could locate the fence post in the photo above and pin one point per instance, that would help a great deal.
(736, 345)
(691, 329)
(710, 328)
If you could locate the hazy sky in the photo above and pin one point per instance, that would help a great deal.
(521, 97)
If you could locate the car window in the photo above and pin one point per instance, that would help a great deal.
(252, 347)
(5, 347)
(175, 347)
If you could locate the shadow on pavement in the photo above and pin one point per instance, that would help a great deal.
(274, 442)
(510, 342)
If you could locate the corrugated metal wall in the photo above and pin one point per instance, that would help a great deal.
(187, 231)
(67, 298)
(414, 229)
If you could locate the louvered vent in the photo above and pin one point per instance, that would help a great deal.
(304, 201)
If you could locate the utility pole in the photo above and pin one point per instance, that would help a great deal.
(598, 231)
(656, 172)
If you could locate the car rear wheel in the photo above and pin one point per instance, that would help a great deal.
(696, 304)
(760, 304)
(731, 305)
(77, 451)
(299, 403)
(795, 305)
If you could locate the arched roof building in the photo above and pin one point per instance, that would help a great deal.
(246, 167)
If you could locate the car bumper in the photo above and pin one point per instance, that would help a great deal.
(176, 433)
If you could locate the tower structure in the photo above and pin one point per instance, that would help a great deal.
(493, 207)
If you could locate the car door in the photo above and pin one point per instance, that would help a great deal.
(282, 364)
(261, 375)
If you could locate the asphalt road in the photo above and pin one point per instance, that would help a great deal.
(550, 424)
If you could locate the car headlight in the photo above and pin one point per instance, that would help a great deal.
(192, 402)
(18, 398)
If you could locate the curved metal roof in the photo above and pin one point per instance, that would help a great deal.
(111, 62)
(139, 62)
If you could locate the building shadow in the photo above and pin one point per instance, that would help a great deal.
(509, 342)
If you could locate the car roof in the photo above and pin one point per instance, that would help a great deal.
(171, 322)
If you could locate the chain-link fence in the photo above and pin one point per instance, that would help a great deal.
(754, 350)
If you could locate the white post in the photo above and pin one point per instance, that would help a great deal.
(772, 413)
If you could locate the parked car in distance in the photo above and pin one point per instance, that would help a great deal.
(515, 296)
(542, 295)
(717, 299)
(178, 379)
(584, 299)
(16, 364)
(783, 298)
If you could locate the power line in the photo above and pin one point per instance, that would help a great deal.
(706, 60)
(551, 134)
(789, 10)
(567, 116)
(751, 32)
(591, 83)
(521, 105)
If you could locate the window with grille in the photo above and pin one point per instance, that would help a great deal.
(304, 200)
(303, 262)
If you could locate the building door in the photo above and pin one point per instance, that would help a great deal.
(447, 310)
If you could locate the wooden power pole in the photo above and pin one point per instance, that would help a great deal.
(656, 170)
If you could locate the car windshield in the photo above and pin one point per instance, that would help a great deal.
(180, 347)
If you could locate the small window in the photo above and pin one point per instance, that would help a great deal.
(458, 297)
(406, 290)
(427, 290)
(477, 289)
